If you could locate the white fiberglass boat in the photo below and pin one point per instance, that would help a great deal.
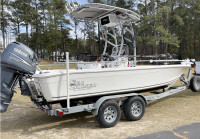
(106, 77)
(96, 82)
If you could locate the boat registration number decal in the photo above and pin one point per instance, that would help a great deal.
(80, 85)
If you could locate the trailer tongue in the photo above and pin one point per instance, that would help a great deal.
(17, 61)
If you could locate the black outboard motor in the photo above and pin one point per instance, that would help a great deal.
(17, 61)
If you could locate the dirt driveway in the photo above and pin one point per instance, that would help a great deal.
(165, 114)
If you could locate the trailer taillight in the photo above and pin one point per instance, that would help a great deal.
(194, 68)
(60, 113)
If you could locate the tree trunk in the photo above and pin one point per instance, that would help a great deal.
(44, 24)
(154, 28)
(36, 41)
(146, 7)
(167, 31)
(76, 24)
(3, 23)
(27, 34)
(18, 31)
(63, 43)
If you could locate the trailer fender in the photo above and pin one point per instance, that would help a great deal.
(143, 99)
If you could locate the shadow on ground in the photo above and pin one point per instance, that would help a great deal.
(184, 132)
(35, 121)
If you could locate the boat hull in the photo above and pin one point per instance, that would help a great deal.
(88, 83)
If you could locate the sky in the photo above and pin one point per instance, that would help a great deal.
(79, 1)
(72, 34)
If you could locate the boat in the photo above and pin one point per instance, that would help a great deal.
(99, 82)
(114, 73)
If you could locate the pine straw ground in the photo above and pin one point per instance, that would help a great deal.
(166, 114)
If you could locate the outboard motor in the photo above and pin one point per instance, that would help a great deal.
(17, 61)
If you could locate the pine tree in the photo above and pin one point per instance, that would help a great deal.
(16, 17)
(5, 17)
(25, 11)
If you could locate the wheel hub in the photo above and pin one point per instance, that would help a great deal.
(110, 114)
(136, 108)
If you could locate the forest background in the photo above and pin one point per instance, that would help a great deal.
(166, 26)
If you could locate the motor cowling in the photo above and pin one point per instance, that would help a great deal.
(17, 61)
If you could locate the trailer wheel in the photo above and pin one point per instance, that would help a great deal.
(195, 84)
(134, 108)
(109, 114)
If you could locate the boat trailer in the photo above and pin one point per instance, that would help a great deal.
(108, 108)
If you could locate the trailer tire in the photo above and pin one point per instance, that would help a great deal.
(195, 84)
(134, 108)
(109, 114)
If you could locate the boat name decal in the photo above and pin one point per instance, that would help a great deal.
(80, 85)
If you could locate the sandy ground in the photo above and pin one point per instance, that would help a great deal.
(166, 114)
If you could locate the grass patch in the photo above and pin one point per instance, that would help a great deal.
(49, 65)
(45, 62)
